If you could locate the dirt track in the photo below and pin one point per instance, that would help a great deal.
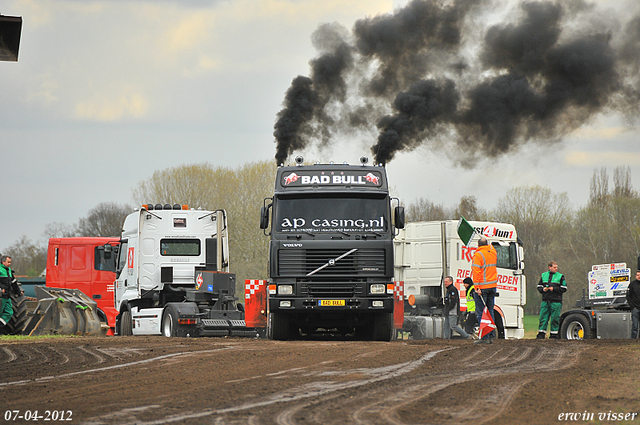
(155, 380)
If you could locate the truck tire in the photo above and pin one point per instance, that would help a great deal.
(19, 318)
(383, 327)
(126, 324)
(169, 321)
(280, 326)
(499, 326)
(576, 326)
(365, 332)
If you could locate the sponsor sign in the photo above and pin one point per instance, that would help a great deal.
(300, 224)
(505, 282)
(332, 178)
(611, 266)
(494, 232)
(608, 280)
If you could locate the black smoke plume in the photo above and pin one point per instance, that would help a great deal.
(432, 71)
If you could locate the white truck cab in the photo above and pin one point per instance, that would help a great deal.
(173, 273)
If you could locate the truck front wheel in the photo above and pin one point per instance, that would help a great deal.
(280, 326)
(383, 327)
(575, 326)
(499, 326)
(126, 325)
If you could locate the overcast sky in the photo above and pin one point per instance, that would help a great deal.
(106, 92)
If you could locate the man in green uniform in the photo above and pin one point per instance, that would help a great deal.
(552, 285)
(8, 283)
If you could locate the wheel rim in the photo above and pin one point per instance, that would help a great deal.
(575, 331)
(167, 325)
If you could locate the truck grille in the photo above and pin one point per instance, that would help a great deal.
(327, 288)
(300, 262)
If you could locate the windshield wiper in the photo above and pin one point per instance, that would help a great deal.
(375, 233)
(332, 262)
(155, 215)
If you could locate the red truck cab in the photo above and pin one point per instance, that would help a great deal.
(86, 264)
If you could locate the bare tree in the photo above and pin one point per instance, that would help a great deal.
(58, 230)
(424, 210)
(468, 208)
(599, 188)
(105, 219)
(542, 219)
(607, 229)
(28, 258)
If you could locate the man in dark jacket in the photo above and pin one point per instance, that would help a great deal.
(633, 298)
(8, 283)
(552, 285)
(452, 309)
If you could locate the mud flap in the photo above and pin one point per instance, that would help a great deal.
(255, 299)
(398, 305)
(64, 312)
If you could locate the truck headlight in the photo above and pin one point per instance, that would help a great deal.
(377, 304)
(285, 289)
(377, 288)
(285, 303)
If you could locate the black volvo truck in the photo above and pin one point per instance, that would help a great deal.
(331, 251)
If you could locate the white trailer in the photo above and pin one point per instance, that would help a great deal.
(426, 252)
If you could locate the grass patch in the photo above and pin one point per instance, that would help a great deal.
(530, 325)
(11, 338)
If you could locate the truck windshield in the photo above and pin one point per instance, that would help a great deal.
(170, 247)
(337, 213)
(507, 256)
(122, 257)
(102, 263)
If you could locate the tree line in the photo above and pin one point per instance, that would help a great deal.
(605, 230)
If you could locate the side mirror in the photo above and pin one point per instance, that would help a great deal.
(399, 217)
(10, 30)
(108, 250)
(264, 217)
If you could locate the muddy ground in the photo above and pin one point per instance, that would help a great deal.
(156, 380)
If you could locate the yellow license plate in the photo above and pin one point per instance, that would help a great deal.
(331, 303)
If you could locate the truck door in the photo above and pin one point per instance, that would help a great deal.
(104, 267)
(79, 267)
(121, 272)
(508, 282)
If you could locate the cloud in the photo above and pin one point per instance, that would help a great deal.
(188, 33)
(603, 133)
(113, 108)
(601, 159)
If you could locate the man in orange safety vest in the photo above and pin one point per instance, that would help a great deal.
(485, 281)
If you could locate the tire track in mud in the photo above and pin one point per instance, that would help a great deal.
(387, 409)
(98, 360)
(316, 389)
(18, 355)
(384, 395)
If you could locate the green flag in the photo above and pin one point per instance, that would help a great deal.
(465, 231)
